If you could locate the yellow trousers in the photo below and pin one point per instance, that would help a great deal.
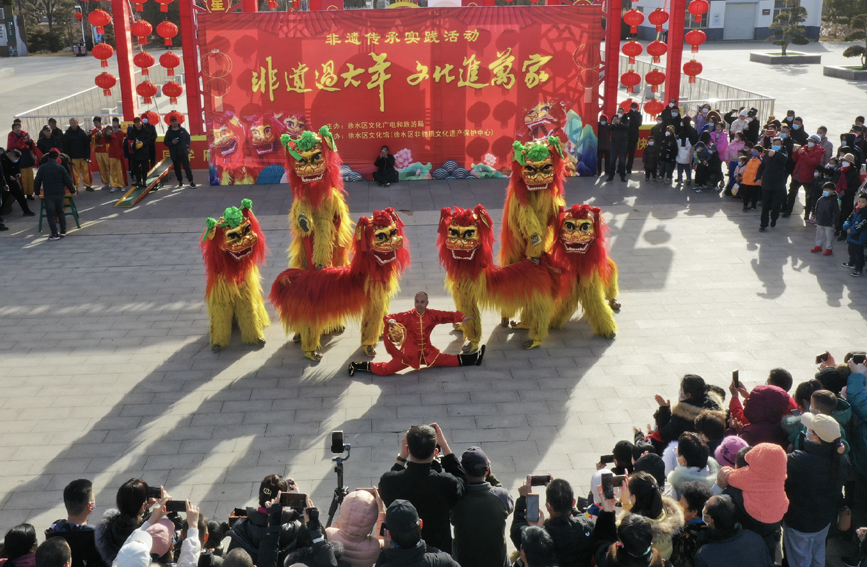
(116, 172)
(81, 170)
(103, 161)
(27, 180)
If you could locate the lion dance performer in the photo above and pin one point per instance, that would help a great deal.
(466, 242)
(408, 341)
(533, 198)
(590, 274)
(310, 302)
(233, 248)
(319, 218)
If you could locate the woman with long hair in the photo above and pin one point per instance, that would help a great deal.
(640, 495)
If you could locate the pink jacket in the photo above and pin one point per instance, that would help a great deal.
(763, 483)
(732, 150)
(721, 139)
(358, 516)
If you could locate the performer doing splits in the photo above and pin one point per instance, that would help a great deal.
(407, 340)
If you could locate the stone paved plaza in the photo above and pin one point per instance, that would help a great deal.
(106, 371)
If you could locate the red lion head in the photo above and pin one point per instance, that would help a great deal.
(580, 244)
(465, 241)
(227, 133)
(381, 247)
(537, 166)
(312, 165)
(232, 245)
(265, 133)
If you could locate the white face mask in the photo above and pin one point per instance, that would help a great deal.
(650, 142)
(845, 164)
(680, 395)
(658, 122)
(825, 193)
(811, 144)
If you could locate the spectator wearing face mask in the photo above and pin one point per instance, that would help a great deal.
(751, 132)
(739, 123)
(619, 146)
(667, 154)
(773, 174)
(701, 118)
(799, 132)
(671, 115)
(651, 160)
(827, 215)
(694, 495)
(603, 150)
(751, 184)
(633, 548)
(846, 187)
(825, 143)
(640, 495)
(694, 463)
(726, 543)
(807, 158)
(855, 229)
(635, 120)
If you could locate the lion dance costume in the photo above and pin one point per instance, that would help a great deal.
(466, 241)
(589, 273)
(533, 198)
(310, 302)
(233, 248)
(319, 218)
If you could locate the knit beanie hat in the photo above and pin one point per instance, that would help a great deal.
(763, 483)
(727, 452)
(162, 533)
(654, 466)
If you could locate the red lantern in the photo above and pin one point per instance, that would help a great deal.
(695, 38)
(658, 18)
(141, 29)
(173, 90)
(144, 60)
(627, 104)
(147, 90)
(167, 31)
(657, 49)
(632, 49)
(138, 4)
(79, 16)
(164, 5)
(105, 81)
(633, 19)
(631, 79)
(173, 114)
(655, 78)
(153, 117)
(654, 107)
(697, 8)
(103, 52)
(272, 4)
(170, 61)
(692, 68)
(99, 19)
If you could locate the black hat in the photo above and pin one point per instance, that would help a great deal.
(401, 517)
(623, 451)
(752, 112)
(653, 465)
(474, 461)
(640, 448)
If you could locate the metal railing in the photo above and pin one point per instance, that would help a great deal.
(692, 95)
(84, 105)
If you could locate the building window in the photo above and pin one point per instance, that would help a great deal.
(691, 24)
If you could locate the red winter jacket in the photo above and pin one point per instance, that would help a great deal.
(765, 409)
(806, 160)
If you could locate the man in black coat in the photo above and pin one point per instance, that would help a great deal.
(79, 501)
(632, 140)
(432, 489)
(603, 148)
(54, 178)
(249, 532)
(619, 146)
(751, 132)
(773, 174)
(671, 116)
(10, 183)
(405, 530)
(177, 140)
(76, 144)
(140, 139)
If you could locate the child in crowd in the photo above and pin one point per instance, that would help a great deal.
(827, 214)
(737, 176)
(651, 160)
(750, 187)
(855, 229)
(702, 170)
(731, 157)
(667, 154)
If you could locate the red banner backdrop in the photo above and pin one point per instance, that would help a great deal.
(447, 89)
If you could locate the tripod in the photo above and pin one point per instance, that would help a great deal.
(341, 491)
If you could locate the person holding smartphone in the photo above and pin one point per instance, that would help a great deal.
(385, 173)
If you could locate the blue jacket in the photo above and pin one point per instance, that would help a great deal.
(857, 223)
(856, 395)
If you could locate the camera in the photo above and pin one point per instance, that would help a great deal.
(337, 445)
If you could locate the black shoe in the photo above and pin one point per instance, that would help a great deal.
(762, 229)
(358, 367)
(785, 215)
(849, 561)
(29, 214)
(472, 359)
(30, 198)
(88, 188)
(180, 185)
(62, 235)
(622, 179)
(609, 178)
(753, 208)
(773, 223)
(3, 227)
(192, 185)
(746, 209)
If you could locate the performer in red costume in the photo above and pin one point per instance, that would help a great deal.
(407, 340)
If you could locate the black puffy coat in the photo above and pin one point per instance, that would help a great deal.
(248, 533)
(421, 556)
(672, 422)
(773, 171)
(813, 486)
(76, 143)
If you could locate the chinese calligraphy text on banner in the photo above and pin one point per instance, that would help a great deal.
(448, 90)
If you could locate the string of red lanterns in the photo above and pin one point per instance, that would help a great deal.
(695, 38)
(170, 61)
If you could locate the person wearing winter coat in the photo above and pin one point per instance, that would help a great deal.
(694, 463)
(118, 523)
(79, 501)
(701, 155)
(619, 147)
(773, 173)
(19, 547)
(603, 147)
(720, 139)
(76, 144)
(20, 140)
(359, 514)
(856, 395)
(667, 153)
(847, 182)
(640, 495)
(827, 215)
(855, 228)
(758, 491)
(694, 495)
(806, 159)
(141, 544)
(684, 157)
(404, 527)
(651, 159)
(751, 184)
(671, 116)
(694, 396)
(633, 548)
(726, 543)
(762, 414)
(813, 485)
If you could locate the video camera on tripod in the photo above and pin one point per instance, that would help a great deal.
(338, 447)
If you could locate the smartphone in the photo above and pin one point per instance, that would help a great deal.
(607, 485)
(796, 412)
(232, 520)
(155, 492)
(735, 378)
(820, 358)
(382, 528)
(176, 506)
(858, 357)
(240, 512)
(532, 507)
(605, 459)
(295, 500)
(337, 445)
(617, 481)
(540, 480)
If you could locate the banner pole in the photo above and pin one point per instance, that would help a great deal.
(121, 15)
(190, 51)
(612, 56)
(676, 30)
